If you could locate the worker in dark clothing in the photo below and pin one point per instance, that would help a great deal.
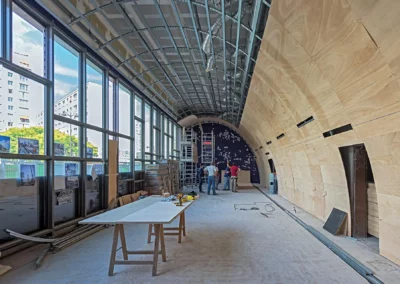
(200, 177)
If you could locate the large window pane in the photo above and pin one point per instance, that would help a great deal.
(166, 154)
(124, 111)
(66, 60)
(66, 139)
(94, 144)
(27, 41)
(94, 186)
(138, 107)
(111, 104)
(21, 182)
(124, 158)
(138, 140)
(175, 133)
(155, 117)
(138, 166)
(21, 115)
(66, 187)
(147, 126)
(94, 94)
(171, 153)
(156, 138)
(165, 125)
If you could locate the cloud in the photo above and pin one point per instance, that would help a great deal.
(65, 71)
(92, 77)
(61, 89)
(28, 40)
(70, 72)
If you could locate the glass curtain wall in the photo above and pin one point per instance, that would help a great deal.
(56, 116)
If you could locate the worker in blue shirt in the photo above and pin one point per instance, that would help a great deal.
(227, 176)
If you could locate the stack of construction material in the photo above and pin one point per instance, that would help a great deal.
(162, 177)
(156, 179)
(173, 174)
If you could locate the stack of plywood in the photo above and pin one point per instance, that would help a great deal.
(173, 175)
(373, 213)
(157, 178)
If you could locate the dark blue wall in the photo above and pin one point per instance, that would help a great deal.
(229, 146)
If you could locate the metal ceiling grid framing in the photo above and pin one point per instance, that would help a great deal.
(196, 57)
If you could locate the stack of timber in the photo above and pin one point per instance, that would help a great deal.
(156, 179)
(162, 177)
(373, 213)
(173, 174)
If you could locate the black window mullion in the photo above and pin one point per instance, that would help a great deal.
(82, 130)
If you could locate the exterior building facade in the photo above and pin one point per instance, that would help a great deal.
(14, 96)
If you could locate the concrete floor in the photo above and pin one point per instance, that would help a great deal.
(223, 245)
(364, 250)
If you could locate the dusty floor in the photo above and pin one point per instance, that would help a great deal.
(364, 250)
(223, 245)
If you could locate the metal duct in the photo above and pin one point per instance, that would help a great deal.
(210, 64)
(207, 42)
(215, 29)
(228, 76)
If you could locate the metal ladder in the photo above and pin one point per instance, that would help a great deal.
(207, 148)
(188, 166)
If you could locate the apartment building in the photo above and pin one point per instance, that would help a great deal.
(14, 96)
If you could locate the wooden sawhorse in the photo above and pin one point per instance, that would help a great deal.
(119, 232)
(181, 229)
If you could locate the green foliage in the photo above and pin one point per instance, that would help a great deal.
(37, 133)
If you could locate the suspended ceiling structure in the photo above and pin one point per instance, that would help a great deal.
(190, 57)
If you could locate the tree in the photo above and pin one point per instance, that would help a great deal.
(37, 133)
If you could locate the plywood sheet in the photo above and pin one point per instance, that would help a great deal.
(112, 169)
(337, 61)
(373, 226)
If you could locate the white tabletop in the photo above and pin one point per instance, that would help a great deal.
(145, 211)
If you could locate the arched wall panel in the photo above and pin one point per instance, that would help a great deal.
(338, 61)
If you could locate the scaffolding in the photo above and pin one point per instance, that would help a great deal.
(189, 158)
(207, 148)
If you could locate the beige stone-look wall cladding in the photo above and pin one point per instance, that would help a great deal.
(338, 61)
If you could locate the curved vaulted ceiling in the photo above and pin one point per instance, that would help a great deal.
(165, 48)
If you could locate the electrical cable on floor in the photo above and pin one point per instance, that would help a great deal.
(363, 270)
(272, 208)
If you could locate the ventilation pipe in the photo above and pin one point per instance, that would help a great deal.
(216, 28)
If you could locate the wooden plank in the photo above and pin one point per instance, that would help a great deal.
(112, 170)
(373, 209)
(373, 226)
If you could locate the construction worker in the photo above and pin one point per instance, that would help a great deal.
(234, 176)
(227, 176)
(212, 171)
(200, 177)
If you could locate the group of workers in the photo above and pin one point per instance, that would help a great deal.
(230, 177)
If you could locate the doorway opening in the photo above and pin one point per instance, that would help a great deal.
(273, 181)
(362, 193)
